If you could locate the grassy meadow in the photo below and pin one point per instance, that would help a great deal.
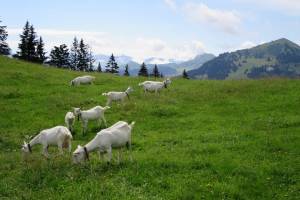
(233, 139)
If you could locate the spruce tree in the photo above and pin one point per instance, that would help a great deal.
(161, 75)
(185, 75)
(40, 51)
(126, 73)
(59, 56)
(74, 54)
(23, 45)
(143, 70)
(83, 57)
(155, 71)
(112, 65)
(99, 68)
(4, 48)
(28, 43)
(32, 43)
(91, 60)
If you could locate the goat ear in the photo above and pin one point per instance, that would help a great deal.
(78, 146)
(24, 143)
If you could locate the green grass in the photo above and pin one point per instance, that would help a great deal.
(234, 139)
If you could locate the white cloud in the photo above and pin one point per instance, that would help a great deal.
(286, 6)
(247, 45)
(103, 43)
(171, 4)
(227, 21)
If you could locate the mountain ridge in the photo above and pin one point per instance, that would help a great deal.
(276, 58)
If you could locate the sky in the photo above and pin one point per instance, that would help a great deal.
(168, 29)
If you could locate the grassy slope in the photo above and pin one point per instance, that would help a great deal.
(199, 139)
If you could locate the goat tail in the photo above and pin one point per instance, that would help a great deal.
(69, 134)
(132, 124)
(140, 84)
(105, 94)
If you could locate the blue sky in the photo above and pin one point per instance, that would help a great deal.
(169, 29)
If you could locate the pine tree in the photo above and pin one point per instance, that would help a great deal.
(143, 70)
(126, 73)
(41, 54)
(161, 75)
(32, 43)
(185, 75)
(155, 71)
(91, 60)
(59, 56)
(99, 68)
(28, 44)
(74, 54)
(112, 65)
(23, 45)
(4, 48)
(83, 57)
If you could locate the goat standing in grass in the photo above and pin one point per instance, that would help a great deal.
(58, 135)
(96, 113)
(117, 96)
(154, 86)
(70, 120)
(82, 80)
(115, 137)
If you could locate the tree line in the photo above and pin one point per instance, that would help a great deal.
(79, 57)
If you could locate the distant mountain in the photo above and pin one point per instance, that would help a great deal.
(122, 59)
(276, 58)
(197, 62)
(154, 60)
(169, 67)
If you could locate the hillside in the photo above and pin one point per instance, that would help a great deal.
(234, 139)
(277, 58)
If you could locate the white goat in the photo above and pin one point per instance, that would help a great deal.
(82, 80)
(70, 120)
(117, 96)
(116, 136)
(96, 113)
(58, 135)
(155, 86)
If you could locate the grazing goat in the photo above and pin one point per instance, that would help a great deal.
(117, 96)
(155, 86)
(58, 135)
(82, 80)
(116, 136)
(96, 113)
(70, 120)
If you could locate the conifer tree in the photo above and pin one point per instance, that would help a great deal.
(143, 70)
(155, 71)
(41, 54)
(28, 43)
(83, 57)
(99, 68)
(4, 48)
(23, 45)
(185, 75)
(59, 56)
(126, 73)
(32, 43)
(112, 65)
(74, 54)
(91, 60)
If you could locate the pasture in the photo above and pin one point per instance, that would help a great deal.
(234, 139)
